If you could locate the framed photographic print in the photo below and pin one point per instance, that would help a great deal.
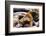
(24, 17)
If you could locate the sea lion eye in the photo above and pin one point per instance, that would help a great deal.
(20, 17)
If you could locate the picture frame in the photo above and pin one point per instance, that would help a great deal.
(11, 7)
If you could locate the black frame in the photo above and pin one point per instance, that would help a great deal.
(7, 4)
